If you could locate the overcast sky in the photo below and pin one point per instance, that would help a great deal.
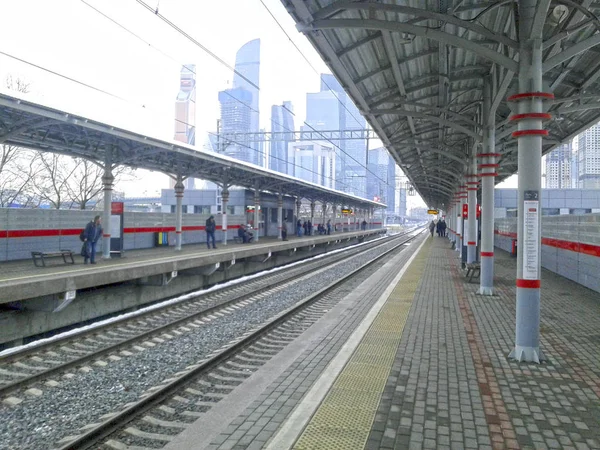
(139, 76)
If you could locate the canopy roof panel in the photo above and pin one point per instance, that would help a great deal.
(38, 127)
(415, 70)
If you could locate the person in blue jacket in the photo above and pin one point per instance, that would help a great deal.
(91, 235)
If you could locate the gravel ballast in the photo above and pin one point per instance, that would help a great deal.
(61, 411)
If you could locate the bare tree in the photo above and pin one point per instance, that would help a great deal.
(17, 165)
(50, 184)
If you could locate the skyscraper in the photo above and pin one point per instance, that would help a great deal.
(282, 121)
(381, 178)
(558, 167)
(312, 161)
(332, 109)
(589, 158)
(185, 112)
(239, 105)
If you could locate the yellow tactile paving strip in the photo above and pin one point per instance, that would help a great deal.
(344, 420)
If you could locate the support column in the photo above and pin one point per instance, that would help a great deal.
(279, 216)
(256, 214)
(472, 184)
(487, 167)
(298, 205)
(224, 203)
(107, 181)
(530, 113)
(312, 216)
(179, 188)
(334, 213)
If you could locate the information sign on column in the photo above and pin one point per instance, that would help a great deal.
(531, 238)
(465, 211)
(116, 228)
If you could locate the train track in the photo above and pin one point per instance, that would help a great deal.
(21, 369)
(194, 390)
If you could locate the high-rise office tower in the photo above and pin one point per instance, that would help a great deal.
(332, 109)
(558, 167)
(282, 121)
(312, 161)
(589, 158)
(239, 105)
(381, 178)
(185, 112)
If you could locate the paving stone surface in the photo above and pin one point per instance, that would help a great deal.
(452, 385)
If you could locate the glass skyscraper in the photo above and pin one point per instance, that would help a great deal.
(332, 109)
(282, 121)
(239, 105)
(381, 178)
(558, 167)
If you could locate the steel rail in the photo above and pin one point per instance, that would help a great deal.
(93, 436)
(129, 341)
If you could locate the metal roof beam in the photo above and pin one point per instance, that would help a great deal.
(457, 116)
(327, 11)
(435, 119)
(406, 60)
(390, 49)
(569, 53)
(360, 43)
(425, 32)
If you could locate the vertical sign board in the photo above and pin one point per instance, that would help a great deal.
(116, 228)
(465, 228)
(531, 235)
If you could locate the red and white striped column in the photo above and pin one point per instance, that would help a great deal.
(487, 171)
(530, 113)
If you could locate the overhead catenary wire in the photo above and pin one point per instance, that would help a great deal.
(220, 60)
(238, 100)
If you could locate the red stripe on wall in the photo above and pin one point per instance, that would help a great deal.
(529, 284)
(577, 247)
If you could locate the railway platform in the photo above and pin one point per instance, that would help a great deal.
(38, 300)
(415, 358)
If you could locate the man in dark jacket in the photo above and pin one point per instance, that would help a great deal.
(211, 226)
(91, 234)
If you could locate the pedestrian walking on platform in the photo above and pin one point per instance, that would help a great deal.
(299, 228)
(364, 224)
(93, 231)
(329, 226)
(211, 226)
(284, 230)
(431, 227)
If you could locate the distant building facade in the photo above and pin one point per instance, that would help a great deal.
(239, 106)
(558, 167)
(589, 158)
(282, 121)
(381, 178)
(185, 112)
(312, 161)
(332, 109)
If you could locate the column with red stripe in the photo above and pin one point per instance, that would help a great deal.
(530, 111)
(179, 189)
(487, 172)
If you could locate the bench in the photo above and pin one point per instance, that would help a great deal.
(39, 256)
(472, 268)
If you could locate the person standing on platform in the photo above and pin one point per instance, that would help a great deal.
(443, 228)
(284, 230)
(364, 224)
(431, 227)
(329, 226)
(211, 226)
(93, 231)
(299, 228)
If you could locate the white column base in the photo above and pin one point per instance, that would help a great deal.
(527, 354)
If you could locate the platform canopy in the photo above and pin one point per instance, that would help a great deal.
(38, 127)
(416, 68)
